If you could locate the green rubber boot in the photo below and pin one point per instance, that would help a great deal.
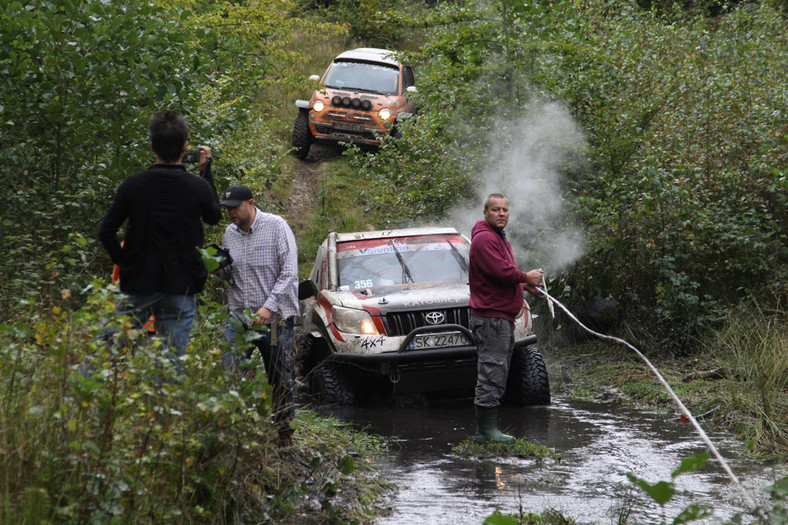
(487, 427)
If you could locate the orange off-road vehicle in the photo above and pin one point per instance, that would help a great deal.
(364, 95)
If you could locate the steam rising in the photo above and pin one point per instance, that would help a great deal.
(526, 165)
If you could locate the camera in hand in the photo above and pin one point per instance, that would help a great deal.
(222, 256)
(192, 157)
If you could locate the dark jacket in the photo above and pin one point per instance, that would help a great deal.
(496, 283)
(163, 205)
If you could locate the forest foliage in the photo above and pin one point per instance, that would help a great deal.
(668, 168)
(678, 184)
(81, 81)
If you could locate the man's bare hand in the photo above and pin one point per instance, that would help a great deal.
(533, 280)
(262, 316)
(205, 154)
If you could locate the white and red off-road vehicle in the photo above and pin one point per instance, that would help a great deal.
(389, 310)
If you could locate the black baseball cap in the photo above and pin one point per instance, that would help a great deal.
(235, 195)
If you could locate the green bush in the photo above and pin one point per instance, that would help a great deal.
(682, 195)
(67, 130)
(127, 438)
(686, 206)
(416, 177)
(107, 431)
(374, 23)
(81, 81)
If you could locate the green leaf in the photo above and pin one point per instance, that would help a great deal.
(780, 488)
(346, 465)
(691, 464)
(691, 513)
(209, 258)
(496, 518)
(661, 491)
(90, 446)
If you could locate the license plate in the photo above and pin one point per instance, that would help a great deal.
(421, 342)
(345, 126)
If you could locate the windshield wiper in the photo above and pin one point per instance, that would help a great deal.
(354, 88)
(457, 255)
(407, 277)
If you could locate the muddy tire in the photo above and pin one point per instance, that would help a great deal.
(528, 383)
(331, 385)
(302, 137)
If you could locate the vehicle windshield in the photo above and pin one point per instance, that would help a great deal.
(363, 77)
(400, 261)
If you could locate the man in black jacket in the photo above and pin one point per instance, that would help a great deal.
(161, 270)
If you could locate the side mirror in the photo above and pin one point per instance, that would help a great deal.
(306, 289)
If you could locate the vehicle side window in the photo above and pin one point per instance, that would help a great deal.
(407, 77)
(319, 269)
(322, 274)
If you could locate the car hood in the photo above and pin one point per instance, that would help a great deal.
(420, 296)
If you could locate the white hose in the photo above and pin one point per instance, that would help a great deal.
(675, 398)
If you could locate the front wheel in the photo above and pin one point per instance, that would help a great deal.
(528, 383)
(332, 385)
(302, 137)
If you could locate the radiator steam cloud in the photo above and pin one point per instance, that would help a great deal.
(526, 165)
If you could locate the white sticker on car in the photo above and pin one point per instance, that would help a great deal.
(372, 342)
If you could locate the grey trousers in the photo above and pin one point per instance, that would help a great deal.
(494, 338)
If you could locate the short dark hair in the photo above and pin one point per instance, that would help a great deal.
(168, 133)
(492, 196)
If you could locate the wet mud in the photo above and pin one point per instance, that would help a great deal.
(599, 443)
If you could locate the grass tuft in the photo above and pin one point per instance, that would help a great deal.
(519, 449)
(754, 346)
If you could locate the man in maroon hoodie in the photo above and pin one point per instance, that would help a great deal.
(496, 300)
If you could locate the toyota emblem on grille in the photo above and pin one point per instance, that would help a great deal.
(434, 318)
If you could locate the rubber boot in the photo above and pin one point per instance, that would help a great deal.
(487, 427)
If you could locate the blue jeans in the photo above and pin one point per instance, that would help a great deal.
(174, 317)
(277, 359)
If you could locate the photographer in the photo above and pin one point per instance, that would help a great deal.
(161, 271)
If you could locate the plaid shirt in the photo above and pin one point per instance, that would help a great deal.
(265, 268)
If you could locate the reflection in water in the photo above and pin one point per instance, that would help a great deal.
(599, 444)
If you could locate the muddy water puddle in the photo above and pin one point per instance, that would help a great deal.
(599, 443)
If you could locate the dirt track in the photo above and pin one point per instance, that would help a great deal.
(307, 177)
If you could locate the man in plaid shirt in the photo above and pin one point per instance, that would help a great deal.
(263, 293)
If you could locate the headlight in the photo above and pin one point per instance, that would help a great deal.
(353, 321)
(318, 105)
(384, 114)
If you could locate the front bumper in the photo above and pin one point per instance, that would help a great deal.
(450, 369)
(404, 355)
(326, 132)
